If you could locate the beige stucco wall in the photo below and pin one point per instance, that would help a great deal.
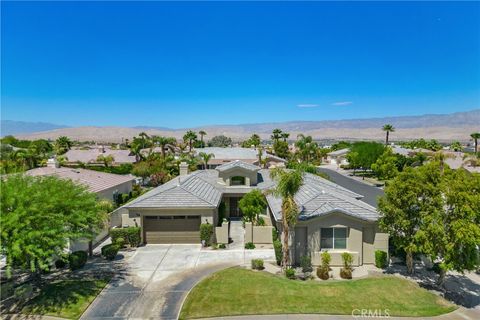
(221, 233)
(125, 187)
(363, 238)
(250, 177)
(258, 234)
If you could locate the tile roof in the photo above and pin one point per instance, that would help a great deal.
(202, 188)
(90, 155)
(237, 164)
(94, 180)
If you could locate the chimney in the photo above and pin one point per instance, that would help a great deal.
(53, 163)
(183, 168)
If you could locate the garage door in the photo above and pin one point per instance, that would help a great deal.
(172, 229)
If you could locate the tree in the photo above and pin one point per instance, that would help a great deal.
(106, 160)
(62, 145)
(164, 142)
(136, 149)
(281, 149)
(285, 136)
(202, 134)
(144, 138)
(220, 141)
(366, 154)
(386, 165)
(276, 135)
(252, 205)
(452, 231)
(205, 158)
(407, 201)
(475, 136)
(40, 214)
(189, 138)
(388, 128)
(456, 146)
(306, 147)
(254, 140)
(288, 184)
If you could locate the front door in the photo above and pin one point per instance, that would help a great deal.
(235, 211)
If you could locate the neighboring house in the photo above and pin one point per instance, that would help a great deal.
(105, 185)
(90, 155)
(248, 155)
(332, 218)
(338, 157)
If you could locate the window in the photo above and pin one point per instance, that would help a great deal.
(333, 238)
(237, 181)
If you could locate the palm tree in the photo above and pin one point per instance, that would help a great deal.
(63, 144)
(202, 134)
(136, 150)
(190, 137)
(388, 128)
(144, 137)
(288, 184)
(106, 160)
(164, 142)
(205, 158)
(475, 136)
(307, 147)
(285, 136)
(276, 134)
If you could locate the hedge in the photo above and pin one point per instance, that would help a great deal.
(277, 245)
(381, 259)
(77, 259)
(131, 235)
(206, 232)
(110, 251)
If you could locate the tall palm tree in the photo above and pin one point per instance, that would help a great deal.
(475, 136)
(285, 136)
(388, 128)
(144, 138)
(164, 142)
(202, 134)
(276, 134)
(205, 158)
(288, 183)
(190, 137)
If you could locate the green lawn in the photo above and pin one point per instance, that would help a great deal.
(65, 298)
(239, 291)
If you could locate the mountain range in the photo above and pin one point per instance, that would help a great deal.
(443, 127)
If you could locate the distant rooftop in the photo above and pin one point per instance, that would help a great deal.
(95, 181)
(90, 155)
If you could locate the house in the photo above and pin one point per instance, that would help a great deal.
(248, 155)
(338, 157)
(332, 218)
(90, 155)
(105, 185)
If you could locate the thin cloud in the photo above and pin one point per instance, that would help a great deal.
(307, 105)
(342, 103)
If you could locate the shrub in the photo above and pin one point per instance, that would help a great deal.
(257, 264)
(261, 222)
(277, 245)
(222, 246)
(77, 260)
(249, 245)
(322, 271)
(380, 259)
(290, 273)
(274, 235)
(23, 292)
(346, 273)
(110, 251)
(130, 235)
(61, 262)
(120, 242)
(306, 264)
(206, 232)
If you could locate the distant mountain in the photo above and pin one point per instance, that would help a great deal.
(444, 127)
(11, 127)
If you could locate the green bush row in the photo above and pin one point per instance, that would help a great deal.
(130, 235)
(110, 251)
(206, 233)
(381, 259)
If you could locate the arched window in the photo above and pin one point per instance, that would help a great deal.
(237, 181)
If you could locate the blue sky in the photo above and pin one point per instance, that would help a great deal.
(189, 64)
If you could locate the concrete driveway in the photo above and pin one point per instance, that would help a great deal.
(152, 282)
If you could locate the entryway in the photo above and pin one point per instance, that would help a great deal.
(237, 234)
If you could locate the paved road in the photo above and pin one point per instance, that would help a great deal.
(154, 281)
(370, 193)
